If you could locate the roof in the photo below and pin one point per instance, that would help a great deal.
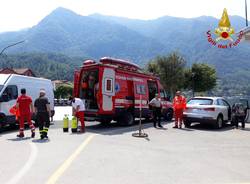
(245, 30)
(20, 71)
(246, 33)
(119, 61)
(208, 97)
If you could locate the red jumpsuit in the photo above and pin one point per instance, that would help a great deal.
(80, 116)
(179, 105)
(25, 113)
(78, 109)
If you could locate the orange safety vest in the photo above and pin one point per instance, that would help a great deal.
(179, 102)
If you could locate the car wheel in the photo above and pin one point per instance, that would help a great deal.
(187, 123)
(169, 115)
(219, 122)
(126, 119)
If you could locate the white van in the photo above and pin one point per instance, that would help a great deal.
(10, 89)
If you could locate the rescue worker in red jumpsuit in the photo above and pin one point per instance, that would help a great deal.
(24, 104)
(78, 109)
(179, 105)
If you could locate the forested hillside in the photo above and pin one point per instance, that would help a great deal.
(52, 66)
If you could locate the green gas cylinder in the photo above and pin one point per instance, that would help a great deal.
(74, 124)
(65, 123)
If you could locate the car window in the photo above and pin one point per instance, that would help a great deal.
(216, 102)
(200, 101)
(225, 103)
(10, 93)
(140, 89)
(222, 102)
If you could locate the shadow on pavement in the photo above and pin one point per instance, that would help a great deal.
(116, 129)
(187, 129)
(19, 139)
(209, 127)
(41, 140)
(245, 129)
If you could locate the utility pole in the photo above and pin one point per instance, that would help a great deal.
(193, 85)
(246, 13)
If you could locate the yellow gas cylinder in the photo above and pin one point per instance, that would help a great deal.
(65, 123)
(74, 124)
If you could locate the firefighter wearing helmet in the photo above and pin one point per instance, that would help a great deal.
(179, 105)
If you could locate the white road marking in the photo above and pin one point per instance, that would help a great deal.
(26, 167)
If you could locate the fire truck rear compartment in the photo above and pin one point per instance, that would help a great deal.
(89, 87)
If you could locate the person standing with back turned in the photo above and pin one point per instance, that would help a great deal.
(25, 106)
(42, 110)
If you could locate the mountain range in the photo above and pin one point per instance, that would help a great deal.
(94, 36)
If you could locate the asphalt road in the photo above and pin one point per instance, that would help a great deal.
(110, 155)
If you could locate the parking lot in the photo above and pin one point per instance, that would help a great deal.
(200, 154)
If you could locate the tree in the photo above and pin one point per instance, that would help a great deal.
(63, 91)
(170, 69)
(201, 77)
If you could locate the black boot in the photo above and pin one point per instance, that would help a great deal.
(20, 135)
(45, 131)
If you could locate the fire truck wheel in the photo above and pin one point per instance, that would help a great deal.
(169, 115)
(106, 121)
(126, 119)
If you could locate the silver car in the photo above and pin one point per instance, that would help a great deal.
(211, 110)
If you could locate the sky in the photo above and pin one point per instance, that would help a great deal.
(20, 14)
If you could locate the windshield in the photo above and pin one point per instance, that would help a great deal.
(200, 101)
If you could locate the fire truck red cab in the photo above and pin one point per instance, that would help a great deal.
(115, 89)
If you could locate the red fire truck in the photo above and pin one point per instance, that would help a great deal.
(115, 89)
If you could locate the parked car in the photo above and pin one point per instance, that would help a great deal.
(62, 102)
(211, 110)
